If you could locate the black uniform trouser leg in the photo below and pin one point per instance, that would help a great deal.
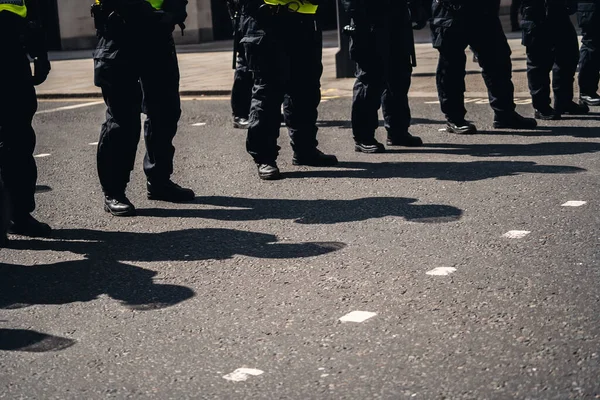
(540, 59)
(589, 61)
(494, 52)
(18, 105)
(450, 80)
(396, 110)
(162, 105)
(565, 64)
(265, 120)
(367, 95)
(241, 92)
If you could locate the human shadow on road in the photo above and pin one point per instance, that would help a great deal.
(312, 211)
(442, 171)
(347, 124)
(106, 268)
(553, 131)
(505, 149)
(32, 341)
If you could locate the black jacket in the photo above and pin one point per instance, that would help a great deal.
(372, 11)
(540, 10)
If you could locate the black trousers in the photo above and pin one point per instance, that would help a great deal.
(515, 6)
(589, 60)
(284, 54)
(551, 46)
(18, 105)
(243, 81)
(452, 32)
(383, 77)
(137, 74)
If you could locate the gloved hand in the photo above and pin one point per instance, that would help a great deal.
(41, 68)
(170, 19)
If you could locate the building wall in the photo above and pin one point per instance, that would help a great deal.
(77, 27)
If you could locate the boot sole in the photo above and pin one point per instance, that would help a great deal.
(359, 149)
(270, 177)
(589, 104)
(462, 132)
(238, 126)
(130, 213)
(547, 117)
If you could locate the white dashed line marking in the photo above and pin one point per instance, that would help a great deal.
(199, 124)
(93, 144)
(73, 107)
(516, 234)
(574, 203)
(441, 271)
(42, 155)
(358, 316)
(242, 374)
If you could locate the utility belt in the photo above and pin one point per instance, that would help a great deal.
(259, 9)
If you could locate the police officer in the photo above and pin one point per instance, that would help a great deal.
(21, 35)
(383, 48)
(135, 65)
(589, 61)
(455, 25)
(241, 92)
(551, 42)
(283, 45)
(3, 214)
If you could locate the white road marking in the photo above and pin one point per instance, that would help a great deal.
(42, 155)
(324, 375)
(358, 316)
(242, 374)
(432, 102)
(516, 234)
(441, 271)
(93, 144)
(199, 124)
(574, 203)
(94, 103)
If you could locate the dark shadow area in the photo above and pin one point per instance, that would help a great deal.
(442, 171)
(42, 189)
(312, 211)
(104, 271)
(554, 131)
(347, 124)
(32, 341)
(504, 150)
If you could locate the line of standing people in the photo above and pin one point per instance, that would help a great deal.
(135, 65)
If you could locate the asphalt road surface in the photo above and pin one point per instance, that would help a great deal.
(456, 270)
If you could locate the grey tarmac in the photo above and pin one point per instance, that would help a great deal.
(174, 303)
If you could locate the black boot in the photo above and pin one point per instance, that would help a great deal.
(461, 127)
(592, 100)
(169, 191)
(368, 146)
(573, 108)
(26, 225)
(268, 171)
(514, 120)
(240, 123)
(119, 205)
(315, 158)
(406, 139)
(546, 114)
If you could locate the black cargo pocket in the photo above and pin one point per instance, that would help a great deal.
(529, 32)
(254, 49)
(107, 64)
(441, 30)
(587, 17)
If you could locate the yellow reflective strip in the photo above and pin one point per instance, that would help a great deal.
(299, 6)
(20, 10)
(157, 4)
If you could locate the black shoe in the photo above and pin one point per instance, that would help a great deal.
(369, 146)
(29, 226)
(546, 114)
(241, 123)
(514, 121)
(591, 100)
(169, 191)
(3, 241)
(406, 139)
(268, 172)
(461, 127)
(573, 108)
(316, 158)
(119, 206)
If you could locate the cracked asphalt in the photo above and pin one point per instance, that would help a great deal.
(173, 303)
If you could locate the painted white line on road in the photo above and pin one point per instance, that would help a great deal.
(574, 203)
(42, 155)
(199, 124)
(93, 144)
(516, 234)
(358, 316)
(94, 103)
(441, 271)
(242, 374)
(432, 102)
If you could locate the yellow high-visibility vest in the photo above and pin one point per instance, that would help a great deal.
(299, 6)
(15, 6)
(156, 4)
